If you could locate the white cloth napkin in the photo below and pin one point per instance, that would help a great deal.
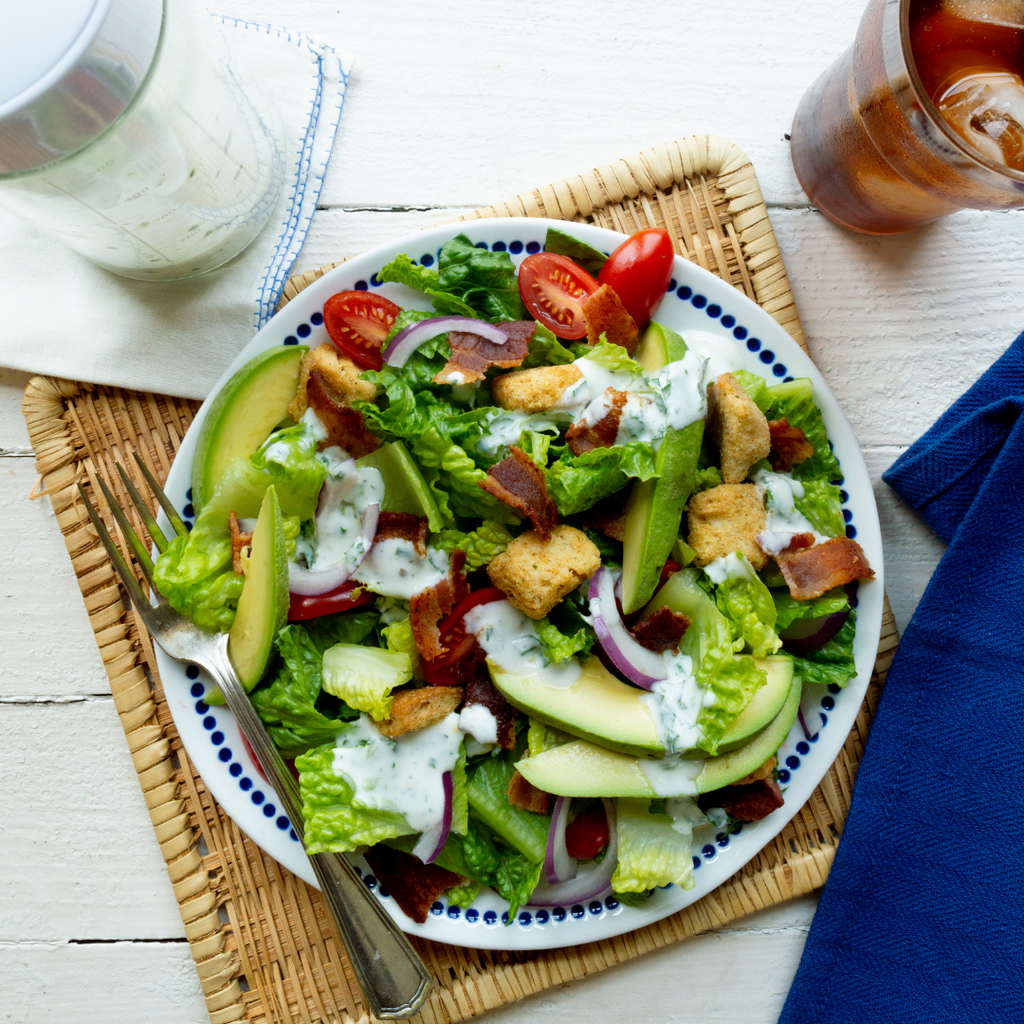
(61, 315)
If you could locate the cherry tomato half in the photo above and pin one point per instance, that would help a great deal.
(639, 271)
(587, 834)
(342, 599)
(358, 323)
(452, 667)
(553, 287)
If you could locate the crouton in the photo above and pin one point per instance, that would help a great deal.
(535, 390)
(605, 314)
(339, 375)
(416, 709)
(726, 519)
(738, 428)
(536, 574)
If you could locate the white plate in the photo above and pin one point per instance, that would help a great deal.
(711, 316)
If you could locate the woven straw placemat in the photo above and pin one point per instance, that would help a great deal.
(264, 949)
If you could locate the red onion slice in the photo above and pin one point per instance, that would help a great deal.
(808, 635)
(558, 865)
(407, 340)
(431, 843)
(633, 660)
(592, 881)
(310, 582)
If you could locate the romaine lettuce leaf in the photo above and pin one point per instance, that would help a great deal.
(402, 270)
(488, 540)
(559, 647)
(578, 481)
(789, 609)
(756, 388)
(545, 350)
(614, 358)
(489, 780)
(833, 664)
(748, 605)
(333, 825)
(484, 280)
(651, 850)
(363, 677)
(822, 506)
(793, 402)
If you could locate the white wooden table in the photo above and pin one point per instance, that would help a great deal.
(458, 104)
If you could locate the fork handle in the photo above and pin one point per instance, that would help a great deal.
(393, 978)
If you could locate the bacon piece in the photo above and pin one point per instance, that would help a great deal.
(471, 354)
(746, 803)
(607, 517)
(519, 482)
(790, 446)
(239, 541)
(430, 606)
(605, 314)
(416, 709)
(345, 427)
(405, 525)
(661, 630)
(809, 572)
(414, 885)
(604, 432)
(526, 796)
(480, 690)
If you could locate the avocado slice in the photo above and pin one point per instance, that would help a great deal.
(655, 507)
(252, 403)
(263, 606)
(607, 711)
(581, 768)
(405, 490)
(596, 707)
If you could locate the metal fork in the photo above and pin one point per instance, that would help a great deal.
(392, 976)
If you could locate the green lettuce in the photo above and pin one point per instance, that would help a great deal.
(823, 507)
(651, 850)
(363, 677)
(748, 605)
(489, 780)
(578, 481)
(479, 546)
(546, 350)
(756, 388)
(614, 358)
(832, 664)
(478, 856)
(541, 737)
(297, 714)
(559, 647)
(583, 255)
(788, 609)
(402, 270)
(794, 402)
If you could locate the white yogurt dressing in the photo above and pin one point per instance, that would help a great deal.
(478, 722)
(784, 520)
(339, 528)
(315, 424)
(402, 775)
(730, 567)
(671, 775)
(510, 640)
(507, 427)
(394, 568)
(681, 383)
(724, 354)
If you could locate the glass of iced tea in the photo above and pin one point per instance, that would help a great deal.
(922, 116)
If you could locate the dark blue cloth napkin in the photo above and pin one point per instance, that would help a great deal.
(922, 918)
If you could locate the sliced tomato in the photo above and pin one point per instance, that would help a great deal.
(461, 650)
(553, 287)
(671, 566)
(358, 323)
(587, 834)
(343, 598)
(639, 271)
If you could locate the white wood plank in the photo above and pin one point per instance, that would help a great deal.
(48, 646)
(118, 983)
(80, 857)
(455, 102)
(13, 435)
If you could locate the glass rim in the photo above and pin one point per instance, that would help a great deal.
(954, 138)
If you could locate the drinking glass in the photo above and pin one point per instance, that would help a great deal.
(879, 152)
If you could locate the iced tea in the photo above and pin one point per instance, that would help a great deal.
(922, 116)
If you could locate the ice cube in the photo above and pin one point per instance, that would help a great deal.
(992, 12)
(986, 107)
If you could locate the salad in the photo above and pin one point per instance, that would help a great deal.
(528, 596)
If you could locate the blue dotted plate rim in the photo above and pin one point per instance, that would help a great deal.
(218, 750)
